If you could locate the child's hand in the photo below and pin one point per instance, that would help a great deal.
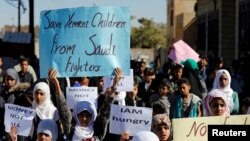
(118, 75)
(125, 136)
(52, 74)
(13, 133)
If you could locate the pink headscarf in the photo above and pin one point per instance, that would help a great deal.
(215, 93)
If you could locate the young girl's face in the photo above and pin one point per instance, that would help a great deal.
(163, 90)
(84, 118)
(43, 137)
(218, 107)
(184, 89)
(39, 96)
(84, 81)
(135, 90)
(10, 82)
(223, 80)
(163, 132)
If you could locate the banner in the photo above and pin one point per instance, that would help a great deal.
(196, 129)
(85, 41)
(19, 116)
(125, 84)
(129, 118)
(75, 94)
(181, 51)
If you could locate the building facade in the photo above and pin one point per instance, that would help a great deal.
(181, 21)
(223, 28)
(211, 27)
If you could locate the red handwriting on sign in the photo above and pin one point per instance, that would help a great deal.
(201, 129)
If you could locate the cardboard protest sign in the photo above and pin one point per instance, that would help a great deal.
(75, 94)
(181, 51)
(85, 41)
(125, 84)
(129, 118)
(196, 129)
(19, 116)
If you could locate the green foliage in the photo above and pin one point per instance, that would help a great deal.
(148, 35)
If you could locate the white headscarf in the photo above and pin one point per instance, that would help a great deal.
(49, 127)
(120, 98)
(227, 89)
(216, 93)
(80, 131)
(145, 136)
(45, 110)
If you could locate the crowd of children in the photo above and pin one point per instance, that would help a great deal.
(185, 90)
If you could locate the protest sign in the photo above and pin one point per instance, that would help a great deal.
(196, 129)
(85, 41)
(19, 116)
(125, 84)
(181, 51)
(75, 94)
(129, 118)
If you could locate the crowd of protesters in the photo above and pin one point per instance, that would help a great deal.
(185, 90)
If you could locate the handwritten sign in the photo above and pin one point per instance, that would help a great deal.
(196, 129)
(125, 84)
(75, 94)
(19, 116)
(85, 41)
(181, 51)
(129, 118)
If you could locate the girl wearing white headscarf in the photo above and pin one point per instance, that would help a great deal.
(45, 110)
(44, 107)
(84, 131)
(96, 126)
(48, 127)
(222, 81)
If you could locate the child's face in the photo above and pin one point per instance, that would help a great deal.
(84, 118)
(84, 81)
(148, 78)
(10, 82)
(39, 96)
(163, 90)
(163, 132)
(223, 80)
(204, 62)
(43, 137)
(178, 73)
(135, 90)
(184, 89)
(218, 107)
